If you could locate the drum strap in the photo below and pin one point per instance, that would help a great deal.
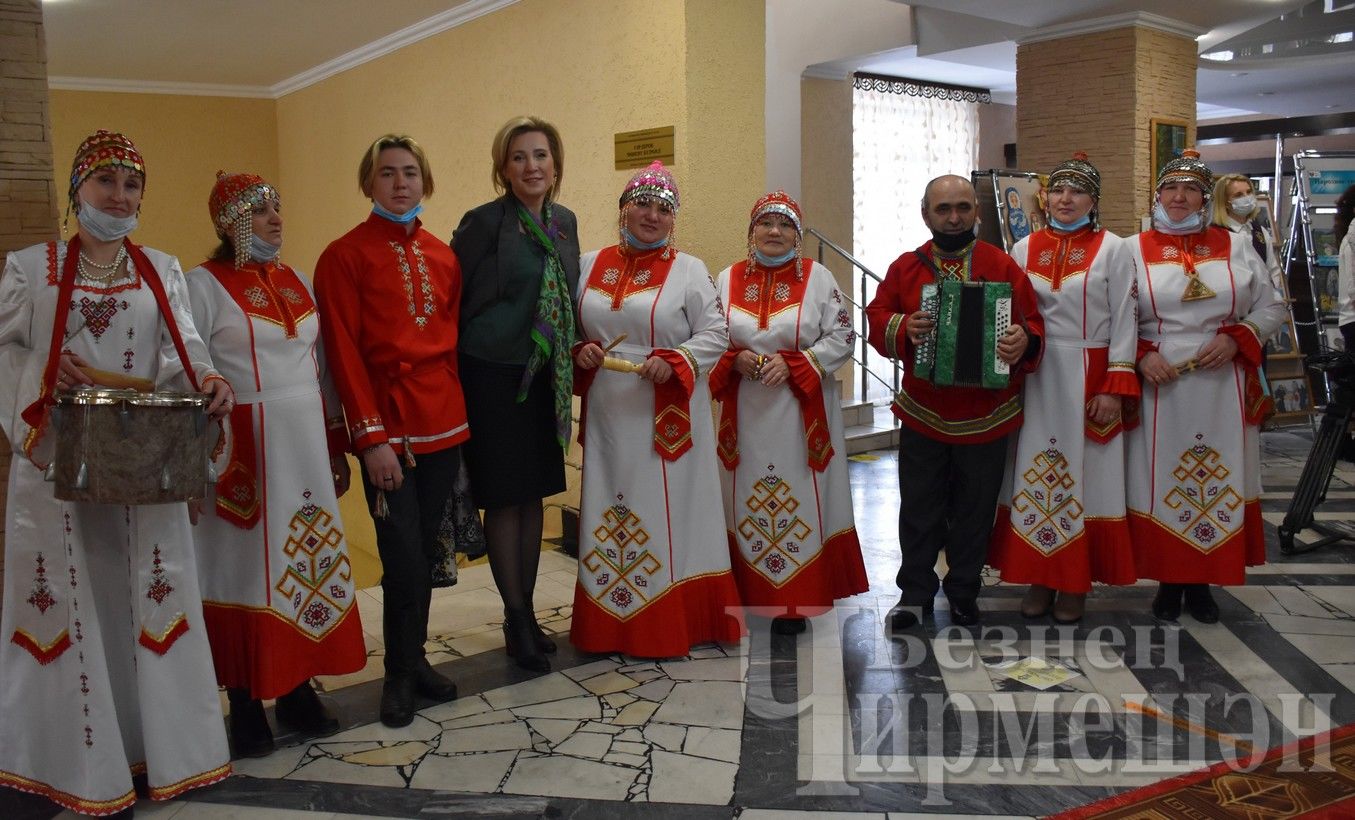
(34, 414)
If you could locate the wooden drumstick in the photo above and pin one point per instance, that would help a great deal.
(119, 381)
(614, 342)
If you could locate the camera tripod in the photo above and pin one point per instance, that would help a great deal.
(1317, 470)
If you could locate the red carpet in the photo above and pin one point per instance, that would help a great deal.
(1279, 786)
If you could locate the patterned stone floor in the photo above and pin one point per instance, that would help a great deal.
(1015, 718)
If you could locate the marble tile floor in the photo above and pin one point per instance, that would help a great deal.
(1015, 718)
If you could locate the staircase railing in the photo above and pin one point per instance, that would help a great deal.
(860, 321)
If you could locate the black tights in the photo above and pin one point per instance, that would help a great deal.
(513, 540)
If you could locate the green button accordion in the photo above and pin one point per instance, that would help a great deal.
(961, 349)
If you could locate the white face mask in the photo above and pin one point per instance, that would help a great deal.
(104, 227)
(1242, 205)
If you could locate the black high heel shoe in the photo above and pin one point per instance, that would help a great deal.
(519, 641)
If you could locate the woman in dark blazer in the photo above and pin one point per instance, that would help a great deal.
(519, 258)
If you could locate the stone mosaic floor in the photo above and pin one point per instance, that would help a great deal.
(1015, 718)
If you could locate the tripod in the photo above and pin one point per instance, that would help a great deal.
(1317, 470)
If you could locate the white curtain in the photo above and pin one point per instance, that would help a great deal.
(899, 142)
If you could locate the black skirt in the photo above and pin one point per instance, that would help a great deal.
(512, 456)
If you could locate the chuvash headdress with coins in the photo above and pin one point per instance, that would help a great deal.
(777, 202)
(100, 150)
(1077, 173)
(653, 182)
(231, 204)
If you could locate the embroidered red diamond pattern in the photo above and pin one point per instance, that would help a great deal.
(159, 589)
(41, 598)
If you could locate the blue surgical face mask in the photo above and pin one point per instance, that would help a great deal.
(1190, 224)
(104, 227)
(402, 219)
(1067, 227)
(773, 261)
(261, 251)
(642, 246)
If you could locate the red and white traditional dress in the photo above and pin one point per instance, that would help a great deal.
(277, 585)
(788, 501)
(654, 568)
(105, 670)
(1061, 522)
(1194, 470)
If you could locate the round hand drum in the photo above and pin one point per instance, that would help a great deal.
(128, 447)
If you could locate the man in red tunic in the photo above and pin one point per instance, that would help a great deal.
(953, 443)
(389, 294)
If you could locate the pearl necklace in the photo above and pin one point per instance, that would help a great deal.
(110, 272)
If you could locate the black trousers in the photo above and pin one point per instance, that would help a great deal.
(947, 500)
(407, 541)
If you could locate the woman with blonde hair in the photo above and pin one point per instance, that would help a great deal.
(519, 257)
(1235, 207)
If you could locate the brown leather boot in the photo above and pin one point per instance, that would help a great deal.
(1037, 602)
(1069, 607)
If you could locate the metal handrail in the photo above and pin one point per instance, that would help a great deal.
(861, 315)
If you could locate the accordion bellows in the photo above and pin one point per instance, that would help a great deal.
(961, 349)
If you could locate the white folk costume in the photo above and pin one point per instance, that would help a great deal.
(105, 670)
(1194, 471)
(1062, 523)
(654, 568)
(787, 497)
(277, 584)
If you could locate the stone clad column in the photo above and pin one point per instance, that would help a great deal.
(1094, 87)
(27, 194)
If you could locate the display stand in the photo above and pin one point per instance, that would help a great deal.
(1010, 207)
(1310, 255)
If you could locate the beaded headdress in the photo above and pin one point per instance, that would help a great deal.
(231, 204)
(99, 150)
(1077, 173)
(654, 181)
(777, 202)
(1187, 168)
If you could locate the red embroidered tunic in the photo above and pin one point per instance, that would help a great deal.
(961, 415)
(388, 305)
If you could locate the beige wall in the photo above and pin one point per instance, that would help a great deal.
(27, 197)
(185, 141)
(1123, 79)
(694, 64)
(604, 73)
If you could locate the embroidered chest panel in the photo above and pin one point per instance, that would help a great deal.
(1055, 257)
(270, 293)
(618, 277)
(417, 282)
(763, 294)
(55, 260)
(1186, 252)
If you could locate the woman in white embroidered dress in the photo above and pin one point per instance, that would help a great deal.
(1062, 524)
(1206, 305)
(654, 573)
(788, 501)
(105, 672)
(276, 580)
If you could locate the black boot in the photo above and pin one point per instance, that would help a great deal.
(250, 735)
(520, 642)
(1200, 603)
(539, 637)
(397, 701)
(431, 685)
(1167, 602)
(301, 711)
